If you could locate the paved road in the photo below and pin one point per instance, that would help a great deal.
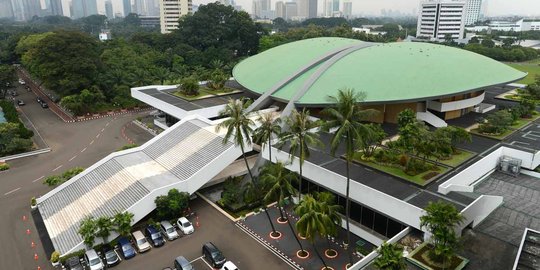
(237, 246)
(73, 144)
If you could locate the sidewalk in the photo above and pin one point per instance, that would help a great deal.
(259, 227)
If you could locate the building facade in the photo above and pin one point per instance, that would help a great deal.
(347, 9)
(6, 10)
(474, 7)
(440, 18)
(55, 7)
(127, 7)
(291, 11)
(84, 8)
(280, 10)
(109, 9)
(171, 11)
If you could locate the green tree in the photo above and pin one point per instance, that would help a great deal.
(7, 79)
(190, 86)
(88, 229)
(299, 136)
(330, 214)
(373, 139)
(72, 172)
(11, 141)
(217, 81)
(53, 180)
(122, 222)
(440, 220)
(269, 126)
(497, 123)
(104, 227)
(346, 115)
(311, 222)
(171, 205)
(487, 42)
(239, 127)
(390, 257)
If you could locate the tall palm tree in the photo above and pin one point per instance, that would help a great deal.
(330, 214)
(104, 227)
(122, 222)
(238, 125)
(347, 115)
(277, 181)
(299, 137)
(269, 126)
(311, 222)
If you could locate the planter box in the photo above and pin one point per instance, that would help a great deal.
(424, 248)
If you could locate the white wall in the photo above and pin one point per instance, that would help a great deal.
(455, 105)
(478, 210)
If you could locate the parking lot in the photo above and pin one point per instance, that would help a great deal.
(235, 245)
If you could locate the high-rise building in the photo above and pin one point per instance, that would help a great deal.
(291, 10)
(307, 8)
(474, 7)
(280, 10)
(127, 7)
(347, 9)
(84, 8)
(170, 12)
(6, 10)
(31, 8)
(439, 18)
(331, 8)
(18, 10)
(109, 9)
(55, 7)
(140, 7)
(152, 7)
(262, 9)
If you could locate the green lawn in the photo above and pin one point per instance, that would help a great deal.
(458, 159)
(533, 68)
(398, 172)
(190, 98)
(499, 137)
(205, 92)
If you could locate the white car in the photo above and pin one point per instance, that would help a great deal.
(168, 230)
(93, 261)
(140, 242)
(229, 266)
(22, 82)
(185, 226)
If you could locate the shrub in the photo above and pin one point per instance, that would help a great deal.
(128, 146)
(403, 160)
(231, 191)
(33, 201)
(189, 86)
(55, 256)
(4, 166)
(217, 80)
(171, 205)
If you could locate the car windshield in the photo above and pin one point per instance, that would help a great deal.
(126, 247)
(217, 255)
(156, 236)
(141, 241)
(110, 255)
(170, 230)
(94, 261)
(186, 224)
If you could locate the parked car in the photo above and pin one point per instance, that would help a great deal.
(14, 93)
(44, 105)
(73, 263)
(185, 226)
(39, 100)
(141, 243)
(168, 230)
(110, 255)
(20, 102)
(180, 263)
(213, 255)
(155, 237)
(22, 82)
(229, 266)
(127, 249)
(93, 261)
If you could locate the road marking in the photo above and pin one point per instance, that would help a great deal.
(57, 168)
(38, 179)
(97, 136)
(7, 193)
(207, 263)
(103, 129)
(92, 142)
(72, 158)
(83, 150)
(107, 124)
(197, 259)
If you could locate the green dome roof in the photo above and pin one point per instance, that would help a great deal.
(391, 72)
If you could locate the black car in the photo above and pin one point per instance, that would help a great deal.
(20, 102)
(39, 100)
(155, 236)
(213, 255)
(14, 93)
(44, 105)
(74, 263)
(110, 255)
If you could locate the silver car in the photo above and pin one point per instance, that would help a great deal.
(168, 230)
(140, 242)
(93, 261)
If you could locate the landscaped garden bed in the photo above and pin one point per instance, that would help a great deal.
(506, 124)
(420, 258)
(457, 158)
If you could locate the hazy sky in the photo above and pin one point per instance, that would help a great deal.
(373, 7)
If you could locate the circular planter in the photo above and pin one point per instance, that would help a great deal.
(301, 236)
(276, 236)
(281, 221)
(330, 253)
(327, 268)
(347, 266)
(33, 207)
(299, 254)
(55, 264)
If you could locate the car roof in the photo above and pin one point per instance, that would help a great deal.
(151, 229)
(137, 234)
(123, 241)
(229, 265)
(183, 219)
(181, 260)
(166, 224)
(210, 245)
(91, 254)
(106, 247)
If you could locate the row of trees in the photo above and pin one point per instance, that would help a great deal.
(90, 227)
(55, 180)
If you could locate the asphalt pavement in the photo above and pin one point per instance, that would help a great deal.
(73, 144)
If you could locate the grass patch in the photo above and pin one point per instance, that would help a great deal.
(418, 179)
(533, 68)
(223, 91)
(499, 137)
(205, 92)
(190, 98)
(458, 159)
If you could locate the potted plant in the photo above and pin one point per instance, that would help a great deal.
(33, 203)
(55, 258)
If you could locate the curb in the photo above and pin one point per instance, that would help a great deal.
(26, 154)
